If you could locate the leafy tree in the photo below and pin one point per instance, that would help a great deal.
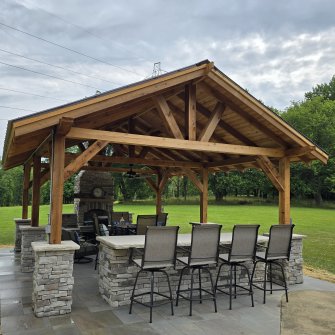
(326, 91)
(315, 118)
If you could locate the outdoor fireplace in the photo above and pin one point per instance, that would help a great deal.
(93, 193)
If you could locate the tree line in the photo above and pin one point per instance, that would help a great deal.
(314, 116)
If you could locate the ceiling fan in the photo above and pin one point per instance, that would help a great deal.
(131, 174)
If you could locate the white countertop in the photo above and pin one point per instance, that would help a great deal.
(137, 241)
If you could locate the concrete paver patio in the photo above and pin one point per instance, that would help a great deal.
(92, 315)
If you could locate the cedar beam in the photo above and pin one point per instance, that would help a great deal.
(57, 188)
(192, 176)
(212, 123)
(172, 143)
(167, 116)
(35, 205)
(270, 170)
(152, 184)
(140, 161)
(83, 158)
(161, 182)
(284, 196)
(190, 112)
(25, 190)
(204, 197)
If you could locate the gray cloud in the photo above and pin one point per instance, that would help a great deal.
(276, 49)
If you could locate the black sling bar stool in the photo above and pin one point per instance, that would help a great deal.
(242, 250)
(278, 249)
(203, 253)
(159, 253)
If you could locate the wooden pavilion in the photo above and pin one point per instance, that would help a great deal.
(193, 121)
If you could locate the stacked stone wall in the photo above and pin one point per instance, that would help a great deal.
(29, 235)
(53, 278)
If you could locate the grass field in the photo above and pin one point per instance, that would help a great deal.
(317, 224)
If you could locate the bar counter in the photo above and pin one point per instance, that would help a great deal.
(117, 275)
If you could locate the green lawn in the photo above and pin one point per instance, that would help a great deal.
(317, 224)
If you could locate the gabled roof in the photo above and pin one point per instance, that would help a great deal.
(245, 121)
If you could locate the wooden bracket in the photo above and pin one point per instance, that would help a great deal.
(83, 158)
(270, 170)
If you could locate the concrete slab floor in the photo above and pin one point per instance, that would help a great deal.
(91, 315)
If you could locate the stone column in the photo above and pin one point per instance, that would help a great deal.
(18, 223)
(53, 278)
(29, 235)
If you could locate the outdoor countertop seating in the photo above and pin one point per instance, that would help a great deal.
(137, 241)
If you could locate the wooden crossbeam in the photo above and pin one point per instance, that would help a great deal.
(171, 143)
(212, 123)
(231, 162)
(190, 112)
(167, 116)
(139, 161)
(83, 158)
(118, 169)
(297, 152)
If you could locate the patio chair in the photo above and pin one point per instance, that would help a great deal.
(161, 219)
(204, 252)
(159, 253)
(143, 221)
(242, 250)
(277, 250)
(117, 217)
(86, 249)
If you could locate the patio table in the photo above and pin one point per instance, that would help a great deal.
(117, 275)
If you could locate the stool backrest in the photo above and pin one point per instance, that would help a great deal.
(244, 241)
(143, 221)
(160, 247)
(161, 219)
(280, 241)
(205, 244)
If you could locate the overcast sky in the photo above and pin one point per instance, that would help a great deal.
(277, 50)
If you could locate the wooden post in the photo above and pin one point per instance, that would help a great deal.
(204, 197)
(35, 204)
(284, 195)
(161, 182)
(190, 112)
(57, 186)
(25, 190)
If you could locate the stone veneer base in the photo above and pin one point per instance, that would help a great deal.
(53, 278)
(30, 234)
(18, 223)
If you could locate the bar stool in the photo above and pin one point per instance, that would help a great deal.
(203, 253)
(278, 249)
(242, 250)
(159, 253)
